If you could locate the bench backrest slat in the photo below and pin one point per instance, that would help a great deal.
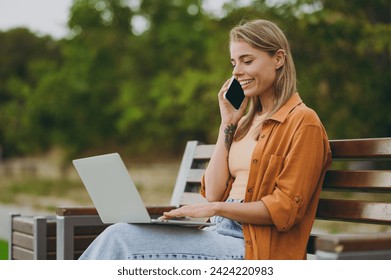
(195, 176)
(203, 152)
(376, 148)
(355, 211)
(359, 180)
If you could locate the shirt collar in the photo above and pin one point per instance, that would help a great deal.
(283, 112)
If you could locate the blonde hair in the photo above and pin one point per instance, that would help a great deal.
(268, 37)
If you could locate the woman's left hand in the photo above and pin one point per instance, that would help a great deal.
(205, 210)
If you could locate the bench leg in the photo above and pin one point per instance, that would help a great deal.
(40, 240)
(66, 233)
(64, 240)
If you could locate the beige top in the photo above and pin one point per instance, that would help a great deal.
(240, 158)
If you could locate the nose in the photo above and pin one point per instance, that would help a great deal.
(237, 71)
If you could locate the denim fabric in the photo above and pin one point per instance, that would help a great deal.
(122, 241)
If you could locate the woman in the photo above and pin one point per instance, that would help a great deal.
(264, 179)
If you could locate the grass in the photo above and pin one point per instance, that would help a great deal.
(43, 193)
(154, 181)
(3, 250)
(36, 187)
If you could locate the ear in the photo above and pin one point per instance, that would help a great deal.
(279, 57)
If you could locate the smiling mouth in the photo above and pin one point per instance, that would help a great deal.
(246, 82)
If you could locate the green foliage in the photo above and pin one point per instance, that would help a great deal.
(349, 58)
(25, 60)
(109, 86)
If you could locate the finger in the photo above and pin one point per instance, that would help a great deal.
(173, 214)
(224, 88)
(227, 82)
(166, 216)
(244, 105)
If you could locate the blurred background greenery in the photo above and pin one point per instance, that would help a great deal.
(141, 78)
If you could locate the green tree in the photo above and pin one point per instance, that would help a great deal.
(111, 85)
(24, 59)
(96, 62)
(343, 56)
(170, 102)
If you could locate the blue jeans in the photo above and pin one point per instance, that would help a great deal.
(223, 241)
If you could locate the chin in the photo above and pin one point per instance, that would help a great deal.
(249, 93)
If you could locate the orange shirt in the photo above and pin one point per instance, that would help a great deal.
(287, 170)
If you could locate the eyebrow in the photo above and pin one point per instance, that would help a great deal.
(242, 57)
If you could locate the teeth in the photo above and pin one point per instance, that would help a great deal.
(246, 82)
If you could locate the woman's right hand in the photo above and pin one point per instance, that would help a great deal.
(217, 171)
(228, 113)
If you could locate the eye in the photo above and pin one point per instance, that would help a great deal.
(233, 65)
(248, 62)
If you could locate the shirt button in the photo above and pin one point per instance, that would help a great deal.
(262, 135)
(255, 161)
(248, 242)
(250, 190)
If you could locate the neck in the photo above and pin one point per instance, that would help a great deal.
(267, 103)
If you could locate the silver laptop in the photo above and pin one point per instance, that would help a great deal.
(114, 193)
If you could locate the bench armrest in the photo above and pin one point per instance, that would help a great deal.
(91, 211)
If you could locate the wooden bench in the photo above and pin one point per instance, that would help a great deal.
(357, 189)
(359, 174)
(32, 238)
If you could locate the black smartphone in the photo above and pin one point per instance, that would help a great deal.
(235, 94)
